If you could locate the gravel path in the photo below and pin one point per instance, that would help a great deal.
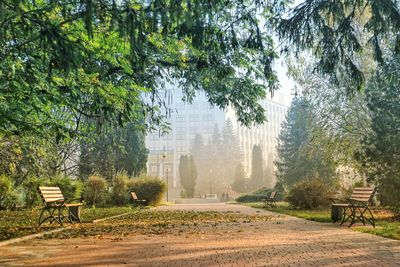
(282, 241)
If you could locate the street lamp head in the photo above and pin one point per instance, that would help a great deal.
(164, 155)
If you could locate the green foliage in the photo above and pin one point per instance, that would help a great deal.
(300, 155)
(382, 146)
(119, 189)
(331, 29)
(114, 150)
(256, 196)
(95, 191)
(56, 77)
(30, 190)
(7, 195)
(149, 188)
(257, 174)
(71, 188)
(310, 194)
(240, 181)
(187, 175)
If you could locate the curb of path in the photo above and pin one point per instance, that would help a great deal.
(32, 236)
(57, 230)
(112, 217)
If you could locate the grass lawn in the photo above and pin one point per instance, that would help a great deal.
(386, 225)
(23, 222)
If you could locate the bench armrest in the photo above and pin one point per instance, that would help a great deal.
(75, 199)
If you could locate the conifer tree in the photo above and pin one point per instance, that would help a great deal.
(240, 181)
(300, 156)
(187, 175)
(257, 176)
(231, 153)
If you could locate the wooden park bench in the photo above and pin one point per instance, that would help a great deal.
(356, 208)
(137, 201)
(271, 200)
(56, 205)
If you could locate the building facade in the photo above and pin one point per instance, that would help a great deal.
(199, 117)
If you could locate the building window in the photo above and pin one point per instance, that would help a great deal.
(207, 117)
(180, 118)
(194, 118)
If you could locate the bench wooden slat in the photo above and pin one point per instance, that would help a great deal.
(73, 204)
(367, 189)
(49, 188)
(49, 200)
(52, 194)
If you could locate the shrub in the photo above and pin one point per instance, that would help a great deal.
(95, 191)
(388, 192)
(70, 188)
(8, 197)
(149, 188)
(255, 196)
(310, 194)
(30, 192)
(119, 189)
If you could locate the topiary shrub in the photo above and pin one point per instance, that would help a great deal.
(255, 196)
(8, 198)
(119, 189)
(31, 195)
(310, 194)
(95, 191)
(71, 188)
(149, 188)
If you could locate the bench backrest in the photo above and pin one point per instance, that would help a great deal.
(134, 196)
(363, 194)
(50, 194)
(273, 194)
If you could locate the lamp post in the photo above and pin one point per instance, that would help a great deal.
(167, 169)
(210, 182)
(163, 155)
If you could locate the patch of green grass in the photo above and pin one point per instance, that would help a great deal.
(312, 215)
(24, 222)
(386, 226)
(385, 229)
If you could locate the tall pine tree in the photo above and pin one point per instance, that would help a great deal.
(187, 175)
(257, 175)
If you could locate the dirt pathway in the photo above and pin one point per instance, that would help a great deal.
(282, 241)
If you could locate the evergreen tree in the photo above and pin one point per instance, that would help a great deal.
(112, 151)
(299, 156)
(269, 172)
(231, 153)
(257, 176)
(215, 164)
(188, 175)
(382, 146)
(200, 157)
(240, 181)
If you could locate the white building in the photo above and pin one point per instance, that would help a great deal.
(200, 117)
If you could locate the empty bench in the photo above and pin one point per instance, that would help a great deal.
(357, 207)
(136, 201)
(56, 207)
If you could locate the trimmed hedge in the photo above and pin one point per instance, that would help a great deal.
(96, 191)
(257, 195)
(310, 194)
(149, 188)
